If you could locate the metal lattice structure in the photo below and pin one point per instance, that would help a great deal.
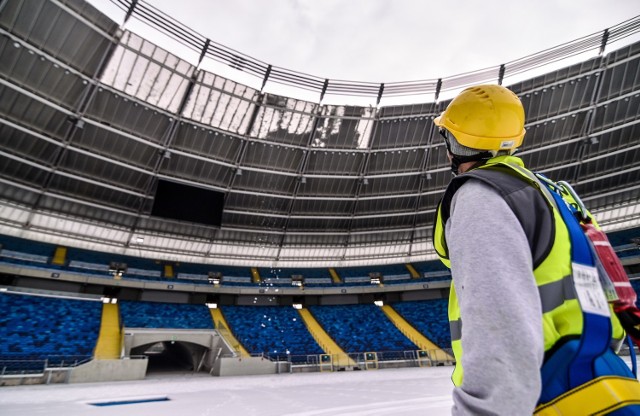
(92, 116)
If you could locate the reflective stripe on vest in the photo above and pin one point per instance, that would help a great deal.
(552, 295)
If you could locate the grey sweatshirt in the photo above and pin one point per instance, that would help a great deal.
(502, 338)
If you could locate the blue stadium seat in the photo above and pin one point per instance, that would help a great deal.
(35, 254)
(38, 328)
(165, 315)
(429, 317)
(275, 331)
(362, 328)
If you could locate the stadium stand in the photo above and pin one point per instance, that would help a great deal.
(27, 252)
(139, 314)
(39, 329)
(277, 332)
(429, 317)
(433, 271)
(635, 283)
(37, 254)
(198, 273)
(626, 243)
(362, 328)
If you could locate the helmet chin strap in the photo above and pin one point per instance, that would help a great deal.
(456, 161)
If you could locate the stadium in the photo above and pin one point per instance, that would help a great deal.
(158, 219)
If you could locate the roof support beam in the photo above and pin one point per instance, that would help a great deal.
(301, 170)
(76, 122)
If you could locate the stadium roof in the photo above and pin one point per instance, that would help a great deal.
(93, 117)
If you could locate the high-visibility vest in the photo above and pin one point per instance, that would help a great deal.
(550, 250)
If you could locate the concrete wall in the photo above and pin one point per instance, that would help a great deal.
(109, 370)
(426, 294)
(205, 346)
(135, 337)
(50, 376)
(339, 300)
(236, 366)
(257, 300)
(164, 296)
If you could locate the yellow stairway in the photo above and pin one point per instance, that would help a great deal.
(255, 275)
(168, 271)
(328, 345)
(335, 277)
(59, 256)
(222, 327)
(109, 345)
(412, 271)
(423, 343)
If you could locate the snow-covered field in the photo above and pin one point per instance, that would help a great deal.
(398, 392)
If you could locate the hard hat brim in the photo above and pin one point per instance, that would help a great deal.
(488, 143)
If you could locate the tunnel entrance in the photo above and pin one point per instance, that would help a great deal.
(172, 357)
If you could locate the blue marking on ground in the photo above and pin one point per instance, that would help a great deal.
(123, 402)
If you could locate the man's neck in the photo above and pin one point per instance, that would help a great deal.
(466, 166)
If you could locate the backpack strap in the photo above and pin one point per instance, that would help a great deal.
(596, 333)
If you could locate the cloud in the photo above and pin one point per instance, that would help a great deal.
(393, 40)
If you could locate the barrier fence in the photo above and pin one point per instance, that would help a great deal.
(10, 366)
(368, 360)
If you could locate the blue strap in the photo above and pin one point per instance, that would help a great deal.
(596, 333)
(632, 353)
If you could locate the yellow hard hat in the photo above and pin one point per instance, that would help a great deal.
(485, 117)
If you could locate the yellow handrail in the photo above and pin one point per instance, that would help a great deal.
(435, 352)
(222, 327)
(328, 345)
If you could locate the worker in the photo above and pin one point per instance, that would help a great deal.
(520, 337)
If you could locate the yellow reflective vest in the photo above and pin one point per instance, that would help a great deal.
(550, 246)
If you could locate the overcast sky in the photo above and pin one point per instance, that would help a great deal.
(391, 40)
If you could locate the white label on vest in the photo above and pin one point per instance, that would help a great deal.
(589, 290)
